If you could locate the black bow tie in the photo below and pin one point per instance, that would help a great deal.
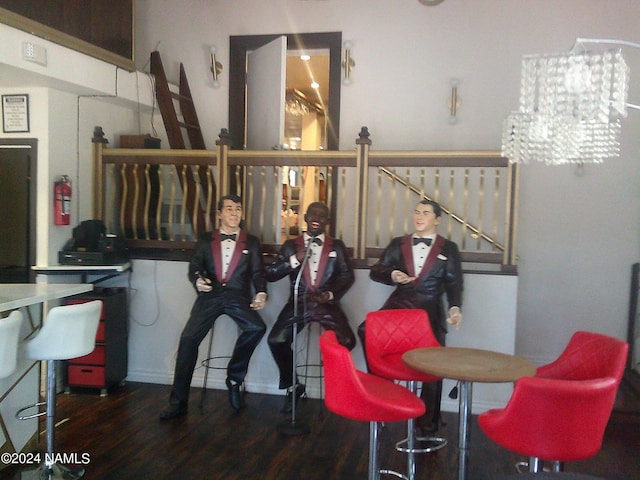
(224, 236)
(426, 241)
(316, 240)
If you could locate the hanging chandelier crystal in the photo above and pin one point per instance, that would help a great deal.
(570, 108)
(296, 107)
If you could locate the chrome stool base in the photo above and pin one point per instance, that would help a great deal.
(535, 465)
(56, 471)
(207, 364)
(422, 445)
(393, 473)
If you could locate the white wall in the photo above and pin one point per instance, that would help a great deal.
(68, 97)
(578, 231)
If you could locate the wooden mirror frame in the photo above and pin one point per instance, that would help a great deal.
(239, 46)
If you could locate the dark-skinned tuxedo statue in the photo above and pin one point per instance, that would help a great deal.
(327, 276)
(226, 265)
(424, 267)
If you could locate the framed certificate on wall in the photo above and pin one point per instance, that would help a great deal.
(15, 113)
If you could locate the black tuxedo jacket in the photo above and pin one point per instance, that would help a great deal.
(246, 269)
(441, 275)
(335, 273)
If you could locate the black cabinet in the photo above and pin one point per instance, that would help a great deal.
(107, 364)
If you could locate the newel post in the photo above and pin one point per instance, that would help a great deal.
(363, 143)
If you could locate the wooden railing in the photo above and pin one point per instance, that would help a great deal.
(161, 200)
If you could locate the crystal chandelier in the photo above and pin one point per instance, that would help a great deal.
(570, 109)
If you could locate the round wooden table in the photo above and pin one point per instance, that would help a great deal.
(468, 365)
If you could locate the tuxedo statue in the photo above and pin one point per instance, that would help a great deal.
(225, 267)
(425, 267)
(326, 277)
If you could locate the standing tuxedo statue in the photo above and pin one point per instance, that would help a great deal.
(327, 276)
(424, 266)
(225, 266)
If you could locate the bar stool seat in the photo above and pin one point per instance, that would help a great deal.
(362, 396)
(9, 337)
(68, 332)
(388, 335)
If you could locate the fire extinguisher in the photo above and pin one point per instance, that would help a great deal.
(62, 200)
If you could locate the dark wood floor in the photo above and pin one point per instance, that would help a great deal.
(125, 440)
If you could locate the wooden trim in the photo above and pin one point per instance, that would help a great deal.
(61, 38)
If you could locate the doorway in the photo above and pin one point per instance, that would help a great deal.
(240, 46)
(18, 162)
(323, 126)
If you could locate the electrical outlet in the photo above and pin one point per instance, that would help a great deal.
(33, 52)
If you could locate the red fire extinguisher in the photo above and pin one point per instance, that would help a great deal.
(62, 200)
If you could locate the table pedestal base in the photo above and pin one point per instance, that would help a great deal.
(464, 428)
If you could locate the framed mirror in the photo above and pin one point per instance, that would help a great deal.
(633, 335)
(240, 46)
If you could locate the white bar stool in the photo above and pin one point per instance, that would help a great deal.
(9, 335)
(68, 332)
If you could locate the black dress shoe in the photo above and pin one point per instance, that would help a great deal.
(172, 411)
(288, 399)
(236, 396)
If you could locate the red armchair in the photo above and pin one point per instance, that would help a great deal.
(361, 396)
(388, 335)
(561, 414)
(588, 355)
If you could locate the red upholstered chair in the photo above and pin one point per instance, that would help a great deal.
(560, 414)
(357, 395)
(389, 334)
(555, 420)
(588, 355)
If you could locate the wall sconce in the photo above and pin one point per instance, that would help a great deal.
(454, 101)
(348, 64)
(216, 67)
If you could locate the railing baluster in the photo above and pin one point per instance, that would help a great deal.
(143, 207)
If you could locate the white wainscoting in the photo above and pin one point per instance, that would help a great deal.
(161, 297)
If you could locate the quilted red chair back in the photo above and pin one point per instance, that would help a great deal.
(554, 420)
(358, 395)
(391, 333)
(588, 355)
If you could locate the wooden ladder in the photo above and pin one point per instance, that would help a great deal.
(174, 127)
(166, 97)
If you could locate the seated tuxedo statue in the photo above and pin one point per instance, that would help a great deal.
(226, 265)
(326, 277)
(424, 267)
